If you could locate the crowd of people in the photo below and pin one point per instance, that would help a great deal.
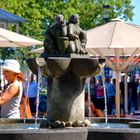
(97, 95)
(133, 94)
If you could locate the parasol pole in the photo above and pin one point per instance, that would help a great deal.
(117, 94)
(117, 83)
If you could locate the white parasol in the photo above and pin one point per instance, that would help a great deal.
(116, 39)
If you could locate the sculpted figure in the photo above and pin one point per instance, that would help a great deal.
(56, 40)
(77, 37)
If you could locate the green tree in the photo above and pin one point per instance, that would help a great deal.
(40, 14)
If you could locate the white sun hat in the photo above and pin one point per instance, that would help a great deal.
(11, 65)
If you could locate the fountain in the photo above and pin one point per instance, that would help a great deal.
(66, 64)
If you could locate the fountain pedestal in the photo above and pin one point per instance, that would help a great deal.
(66, 80)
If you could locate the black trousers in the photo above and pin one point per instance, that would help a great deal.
(32, 104)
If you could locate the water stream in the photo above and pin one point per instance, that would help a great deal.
(1, 76)
(36, 124)
(105, 96)
(37, 98)
(89, 99)
(109, 125)
(26, 93)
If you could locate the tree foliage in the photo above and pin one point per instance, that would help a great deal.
(40, 14)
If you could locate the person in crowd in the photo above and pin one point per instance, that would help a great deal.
(90, 110)
(110, 92)
(43, 100)
(0, 85)
(138, 90)
(25, 111)
(10, 98)
(93, 90)
(122, 95)
(132, 87)
(114, 82)
(30, 90)
(100, 94)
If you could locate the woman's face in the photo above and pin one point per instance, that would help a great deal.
(9, 75)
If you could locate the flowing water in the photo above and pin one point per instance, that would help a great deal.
(105, 96)
(37, 98)
(26, 92)
(20, 126)
(35, 125)
(89, 100)
(108, 125)
(1, 77)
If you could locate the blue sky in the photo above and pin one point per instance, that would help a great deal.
(136, 18)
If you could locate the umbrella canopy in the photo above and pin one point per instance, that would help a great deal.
(38, 50)
(115, 34)
(117, 39)
(8, 17)
(12, 39)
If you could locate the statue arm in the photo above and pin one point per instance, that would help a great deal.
(71, 33)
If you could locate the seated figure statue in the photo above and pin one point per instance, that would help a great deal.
(56, 40)
(77, 37)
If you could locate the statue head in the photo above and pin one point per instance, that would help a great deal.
(74, 18)
(59, 19)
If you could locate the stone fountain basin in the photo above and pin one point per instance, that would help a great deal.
(83, 67)
(57, 66)
(19, 124)
(79, 133)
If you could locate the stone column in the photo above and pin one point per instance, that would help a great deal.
(66, 80)
(65, 99)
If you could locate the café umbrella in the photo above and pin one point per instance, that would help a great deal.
(115, 39)
(12, 39)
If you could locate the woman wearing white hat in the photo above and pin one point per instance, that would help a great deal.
(10, 98)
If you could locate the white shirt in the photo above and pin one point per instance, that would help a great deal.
(11, 108)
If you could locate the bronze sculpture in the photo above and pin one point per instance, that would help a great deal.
(56, 37)
(62, 38)
(77, 37)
